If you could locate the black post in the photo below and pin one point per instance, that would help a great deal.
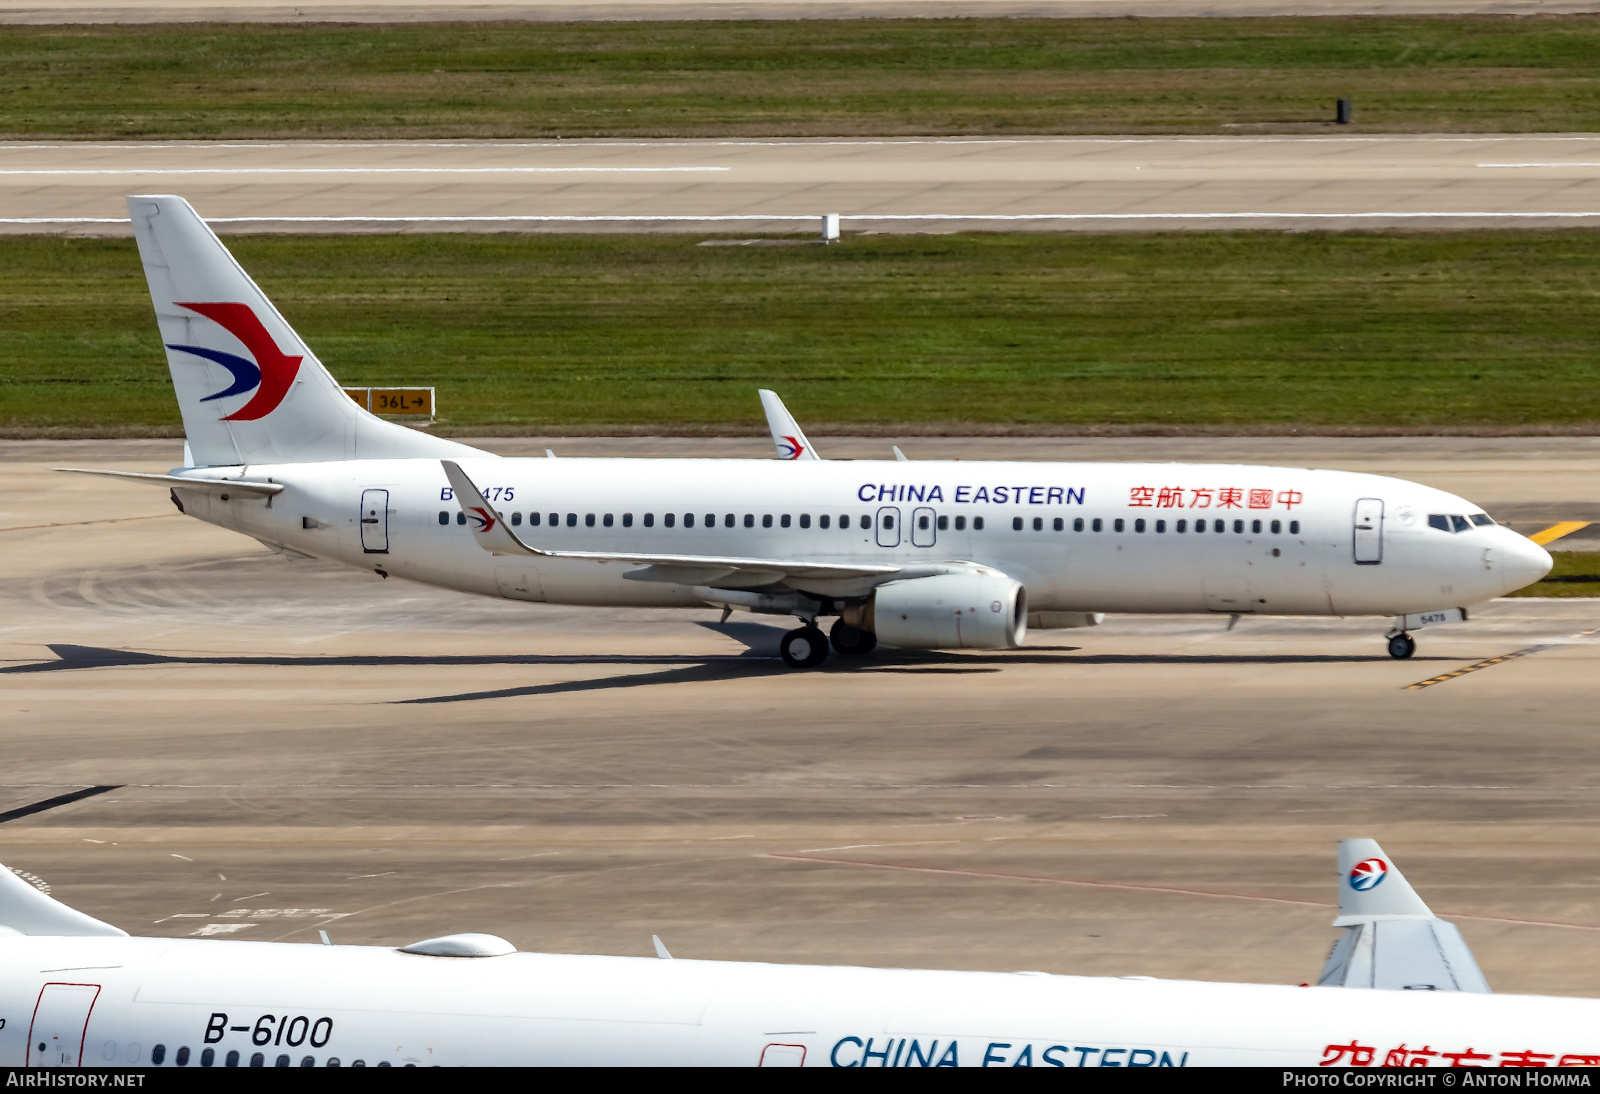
(1343, 112)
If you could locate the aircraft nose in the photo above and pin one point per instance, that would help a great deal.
(1522, 561)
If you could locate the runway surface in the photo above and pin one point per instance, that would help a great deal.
(291, 746)
(1037, 183)
(168, 11)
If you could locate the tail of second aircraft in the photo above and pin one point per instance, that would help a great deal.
(1392, 939)
(249, 388)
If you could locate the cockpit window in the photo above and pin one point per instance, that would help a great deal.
(1482, 519)
(1455, 522)
(1439, 521)
(1460, 522)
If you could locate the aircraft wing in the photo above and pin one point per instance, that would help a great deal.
(210, 486)
(1392, 939)
(495, 536)
(786, 433)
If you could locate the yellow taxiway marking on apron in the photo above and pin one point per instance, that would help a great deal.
(1556, 531)
(1492, 661)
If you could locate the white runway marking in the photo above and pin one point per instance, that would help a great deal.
(363, 170)
(1539, 165)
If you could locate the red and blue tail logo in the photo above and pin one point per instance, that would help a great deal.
(1368, 874)
(792, 448)
(270, 375)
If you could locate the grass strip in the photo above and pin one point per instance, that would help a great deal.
(803, 77)
(1560, 582)
(1452, 330)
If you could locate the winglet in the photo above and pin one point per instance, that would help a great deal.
(786, 433)
(1372, 887)
(493, 534)
(1392, 940)
(26, 910)
(661, 948)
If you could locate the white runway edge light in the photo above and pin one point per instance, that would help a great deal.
(830, 228)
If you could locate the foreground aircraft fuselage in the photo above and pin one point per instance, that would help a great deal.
(76, 991)
(920, 555)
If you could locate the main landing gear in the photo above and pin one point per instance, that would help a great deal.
(804, 648)
(1402, 646)
(851, 641)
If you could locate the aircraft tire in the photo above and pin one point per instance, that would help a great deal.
(803, 648)
(1402, 646)
(851, 641)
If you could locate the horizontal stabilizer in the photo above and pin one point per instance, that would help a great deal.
(25, 910)
(1392, 939)
(210, 486)
(495, 536)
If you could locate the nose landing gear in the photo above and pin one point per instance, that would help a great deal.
(1402, 646)
(804, 648)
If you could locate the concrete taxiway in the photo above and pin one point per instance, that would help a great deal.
(928, 184)
(287, 746)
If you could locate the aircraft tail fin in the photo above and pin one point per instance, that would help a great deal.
(26, 910)
(1392, 939)
(786, 432)
(249, 388)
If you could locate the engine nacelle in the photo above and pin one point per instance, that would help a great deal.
(978, 609)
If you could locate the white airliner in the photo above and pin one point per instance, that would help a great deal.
(78, 992)
(914, 554)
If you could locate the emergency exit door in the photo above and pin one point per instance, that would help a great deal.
(1369, 532)
(375, 522)
(889, 526)
(60, 1023)
(924, 528)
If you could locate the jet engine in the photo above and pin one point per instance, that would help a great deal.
(978, 609)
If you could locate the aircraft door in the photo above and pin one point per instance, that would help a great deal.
(60, 1023)
(1369, 532)
(375, 522)
(924, 532)
(889, 526)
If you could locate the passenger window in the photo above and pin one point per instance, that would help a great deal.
(1294, 528)
(308, 1061)
(727, 521)
(1182, 526)
(281, 1061)
(688, 520)
(670, 519)
(1098, 525)
(805, 520)
(783, 521)
(606, 520)
(844, 522)
(1200, 526)
(961, 524)
(1439, 521)
(1219, 526)
(555, 520)
(1077, 524)
(158, 1054)
(1060, 525)
(461, 518)
(1118, 525)
(444, 518)
(711, 520)
(822, 521)
(333, 1061)
(572, 520)
(1161, 526)
(1482, 519)
(1460, 523)
(1016, 524)
(1138, 525)
(1038, 524)
(923, 523)
(181, 1057)
(888, 521)
(533, 520)
(1255, 527)
(649, 522)
(766, 520)
(749, 520)
(627, 520)
(358, 1063)
(866, 521)
(257, 1060)
(208, 1057)
(231, 1059)
(1238, 527)
(1277, 527)
(944, 523)
(516, 519)
(588, 520)
(977, 524)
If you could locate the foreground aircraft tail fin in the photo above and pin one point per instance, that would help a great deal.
(786, 432)
(250, 390)
(1392, 939)
(26, 910)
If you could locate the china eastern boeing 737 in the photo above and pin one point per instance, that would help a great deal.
(914, 554)
(76, 992)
